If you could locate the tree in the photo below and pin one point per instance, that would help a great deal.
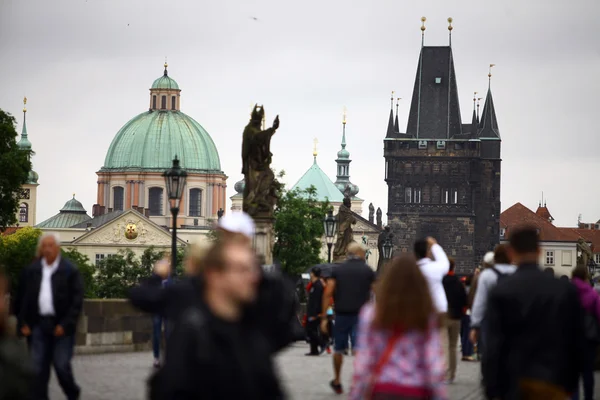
(86, 269)
(15, 167)
(17, 251)
(299, 229)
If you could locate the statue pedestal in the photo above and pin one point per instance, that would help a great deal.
(264, 239)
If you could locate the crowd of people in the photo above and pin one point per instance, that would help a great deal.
(226, 318)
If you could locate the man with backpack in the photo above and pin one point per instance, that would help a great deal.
(499, 269)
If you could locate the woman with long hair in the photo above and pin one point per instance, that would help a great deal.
(400, 356)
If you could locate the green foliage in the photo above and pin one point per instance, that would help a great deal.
(15, 167)
(17, 251)
(299, 229)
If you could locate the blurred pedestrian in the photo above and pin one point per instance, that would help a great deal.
(457, 302)
(16, 369)
(350, 285)
(163, 270)
(51, 305)
(534, 339)
(313, 312)
(590, 302)
(400, 356)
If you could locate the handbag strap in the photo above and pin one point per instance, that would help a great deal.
(384, 357)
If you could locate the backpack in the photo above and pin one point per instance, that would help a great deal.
(501, 276)
(591, 326)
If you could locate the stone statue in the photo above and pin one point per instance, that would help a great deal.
(383, 236)
(586, 253)
(261, 188)
(371, 213)
(379, 223)
(345, 220)
(220, 213)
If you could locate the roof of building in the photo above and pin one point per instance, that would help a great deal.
(165, 81)
(435, 109)
(152, 139)
(590, 235)
(71, 214)
(518, 214)
(543, 212)
(99, 220)
(489, 124)
(10, 230)
(326, 190)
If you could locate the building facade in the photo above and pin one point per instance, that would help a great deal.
(443, 175)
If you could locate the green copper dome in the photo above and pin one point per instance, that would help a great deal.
(152, 139)
(316, 178)
(165, 82)
(71, 214)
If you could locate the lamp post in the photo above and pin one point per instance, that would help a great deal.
(330, 226)
(388, 249)
(592, 268)
(175, 181)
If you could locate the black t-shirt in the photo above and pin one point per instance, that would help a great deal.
(353, 280)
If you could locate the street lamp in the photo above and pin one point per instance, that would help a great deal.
(592, 268)
(388, 249)
(175, 181)
(330, 226)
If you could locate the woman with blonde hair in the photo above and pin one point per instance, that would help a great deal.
(401, 356)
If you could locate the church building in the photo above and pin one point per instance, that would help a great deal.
(27, 206)
(443, 175)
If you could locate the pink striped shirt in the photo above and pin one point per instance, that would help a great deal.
(416, 363)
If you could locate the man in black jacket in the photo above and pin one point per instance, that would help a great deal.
(535, 330)
(51, 303)
(313, 312)
(457, 301)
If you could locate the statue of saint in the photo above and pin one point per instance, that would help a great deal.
(379, 223)
(585, 255)
(345, 220)
(383, 236)
(371, 213)
(261, 188)
(220, 213)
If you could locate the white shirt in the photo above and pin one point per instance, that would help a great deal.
(434, 272)
(45, 300)
(486, 282)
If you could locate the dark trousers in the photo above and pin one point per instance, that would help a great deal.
(314, 337)
(46, 350)
(587, 375)
(157, 328)
(465, 344)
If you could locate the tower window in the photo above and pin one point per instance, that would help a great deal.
(155, 203)
(163, 103)
(445, 196)
(118, 196)
(417, 195)
(438, 80)
(172, 102)
(408, 195)
(24, 212)
(195, 203)
(154, 102)
(454, 196)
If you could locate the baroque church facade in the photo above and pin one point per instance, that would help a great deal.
(443, 175)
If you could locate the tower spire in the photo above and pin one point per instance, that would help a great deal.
(474, 121)
(390, 129)
(423, 19)
(24, 130)
(344, 130)
(489, 123)
(450, 31)
(166, 65)
(315, 153)
(396, 125)
(478, 100)
(490, 76)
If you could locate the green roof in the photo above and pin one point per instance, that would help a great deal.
(165, 82)
(152, 139)
(71, 214)
(326, 190)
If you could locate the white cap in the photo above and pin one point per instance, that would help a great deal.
(489, 258)
(237, 222)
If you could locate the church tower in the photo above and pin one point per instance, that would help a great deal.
(443, 176)
(343, 166)
(26, 214)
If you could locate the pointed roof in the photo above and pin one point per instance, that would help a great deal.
(518, 214)
(435, 110)
(390, 129)
(321, 182)
(396, 125)
(543, 212)
(71, 214)
(488, 123)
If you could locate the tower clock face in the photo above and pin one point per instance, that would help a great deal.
(25, 194)
(131, 231)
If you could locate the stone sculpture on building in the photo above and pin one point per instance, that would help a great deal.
(371, 213)
(584, 253)
(345, 220)
(379, 223)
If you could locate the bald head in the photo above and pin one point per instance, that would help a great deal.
(356, 250)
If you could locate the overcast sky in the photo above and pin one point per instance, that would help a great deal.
(86, 67)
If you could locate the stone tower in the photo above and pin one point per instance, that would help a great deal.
(26, 215)
(443, 175)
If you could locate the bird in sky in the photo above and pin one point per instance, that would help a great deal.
(254, 18)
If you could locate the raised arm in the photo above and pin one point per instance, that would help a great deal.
(440, 258)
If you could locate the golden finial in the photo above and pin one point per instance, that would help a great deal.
(423, 19)
(24, 104)
(315, 142)
(474, 95)
(166, 64)
(73, 195)
(449, 23)
(490, 73)
(344, 121)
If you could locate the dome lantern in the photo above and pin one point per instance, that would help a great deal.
(165, 93)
